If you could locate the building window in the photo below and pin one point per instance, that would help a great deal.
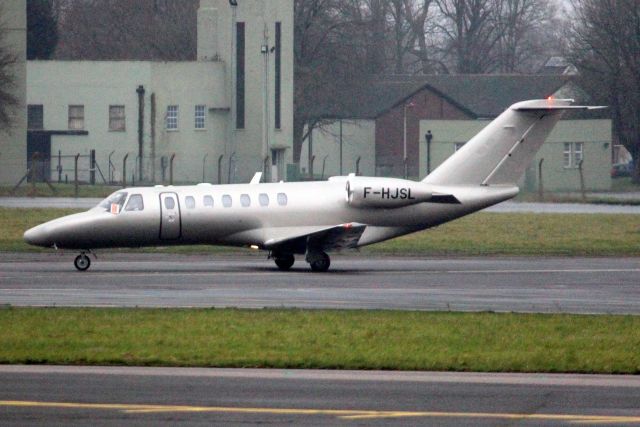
(116, 118)
(199, 115)
(278, 75)
(76, 117)
(35, 117)
(240, 75)
(572, 154)
(172, 117)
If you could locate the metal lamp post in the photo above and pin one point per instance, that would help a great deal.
(404, 139)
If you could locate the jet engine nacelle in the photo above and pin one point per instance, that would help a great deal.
(367, 192)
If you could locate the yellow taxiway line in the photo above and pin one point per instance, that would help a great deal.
(339, 413)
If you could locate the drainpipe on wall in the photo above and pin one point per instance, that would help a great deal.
(140, 92)
(153, 137)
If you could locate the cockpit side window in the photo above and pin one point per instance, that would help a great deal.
(114, 202)
(135, 203)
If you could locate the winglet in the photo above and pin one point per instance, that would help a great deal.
(256, 178)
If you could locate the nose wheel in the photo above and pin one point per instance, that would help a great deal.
(82, 262)
(284, 261)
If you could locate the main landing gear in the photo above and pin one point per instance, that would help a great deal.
(82, 262)
(319, 261)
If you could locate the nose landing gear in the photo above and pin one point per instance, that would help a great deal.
(82, 262)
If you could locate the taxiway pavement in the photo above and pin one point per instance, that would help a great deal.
(522, 284)
(106, 396)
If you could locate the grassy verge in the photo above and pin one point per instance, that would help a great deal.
(322, 339)
(483, 233)
(61, 190)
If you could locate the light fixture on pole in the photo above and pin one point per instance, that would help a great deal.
(404, 139)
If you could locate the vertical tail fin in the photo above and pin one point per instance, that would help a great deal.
(500, 153)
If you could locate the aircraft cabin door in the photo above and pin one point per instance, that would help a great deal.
(170, 224)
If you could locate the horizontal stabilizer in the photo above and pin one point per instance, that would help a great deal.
(445, 199)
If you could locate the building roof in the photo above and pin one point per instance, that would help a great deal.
(480, 96)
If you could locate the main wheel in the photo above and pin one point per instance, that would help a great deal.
(82, 262)
(284, 262)
(321, 262)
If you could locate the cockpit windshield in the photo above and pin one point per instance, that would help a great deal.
(114, 202)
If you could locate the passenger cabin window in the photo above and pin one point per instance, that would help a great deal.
(169, 203)
(245, 200)
(282, 199)
(114, 202)
(226, 201)
(190, 202)
(207, 201)
(263, 199)
(135, 203)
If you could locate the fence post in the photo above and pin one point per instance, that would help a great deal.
(111, 168)
(92, 166)
(124, 170)
(582, 189)
(204, 162)
(540, 184)
(59, 168)
(75, 171)
(34, 160)
(358, 166)
(171, 168)
(220, 168)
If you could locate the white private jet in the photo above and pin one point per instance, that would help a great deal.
(313, 218)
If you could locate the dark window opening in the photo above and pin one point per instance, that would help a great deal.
(35, 117)
(240, 48)
(278, 74)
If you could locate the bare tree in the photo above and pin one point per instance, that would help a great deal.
(8, 60)
(122, 29)
(528, 33)
(331, 59)
(470, 34)
(605, 45)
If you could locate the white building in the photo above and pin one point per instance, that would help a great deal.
(218, 119)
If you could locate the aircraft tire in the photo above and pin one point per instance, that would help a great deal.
(321, 263)
(284, 262)
(82, 262)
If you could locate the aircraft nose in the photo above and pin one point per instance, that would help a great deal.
(37, 236)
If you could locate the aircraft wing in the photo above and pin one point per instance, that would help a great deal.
(297, 239)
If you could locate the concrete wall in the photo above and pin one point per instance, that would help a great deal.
(13, 141)
(595, 134)
(358, 138)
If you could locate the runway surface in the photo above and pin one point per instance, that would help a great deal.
(103, 396)
(571, 285)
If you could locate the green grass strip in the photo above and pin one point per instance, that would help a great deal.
(348, 339)
(483, 233)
